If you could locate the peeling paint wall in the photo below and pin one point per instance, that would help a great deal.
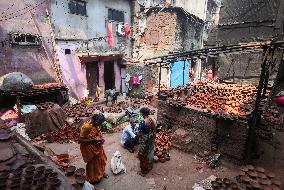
(33, 61)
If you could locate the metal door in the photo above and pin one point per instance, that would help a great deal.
(179, 73)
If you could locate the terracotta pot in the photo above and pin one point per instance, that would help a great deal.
(54, 182)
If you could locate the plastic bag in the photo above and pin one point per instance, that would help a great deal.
(116, 164)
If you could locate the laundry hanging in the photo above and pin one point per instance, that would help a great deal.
(110, 35)
(127, 29)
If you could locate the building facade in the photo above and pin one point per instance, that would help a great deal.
(92, 37)
(26, 40)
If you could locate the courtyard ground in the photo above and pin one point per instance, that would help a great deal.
(179, 173)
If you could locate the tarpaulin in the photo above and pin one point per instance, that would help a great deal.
(179, 73)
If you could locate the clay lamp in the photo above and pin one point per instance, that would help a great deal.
(41, 182)
(260, 169)
(250, 167)
(276, 182)
(215, 185)
(245, 179)
(30, 169)
(275, 187)
(252, 174)
(270, 175)
(265, 181)
(261, 176)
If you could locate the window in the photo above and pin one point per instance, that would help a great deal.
(115, 15)
(24, 39)
(78, 7)
(67, 51)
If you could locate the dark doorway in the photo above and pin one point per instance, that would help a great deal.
(92, 75)
(109, 75)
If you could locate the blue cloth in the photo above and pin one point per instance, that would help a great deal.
(129, 132)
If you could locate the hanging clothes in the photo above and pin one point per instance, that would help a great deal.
(127, 29)
(110, 35)
(135, 80)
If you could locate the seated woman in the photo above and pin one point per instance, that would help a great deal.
(91, 146)
(147, 131)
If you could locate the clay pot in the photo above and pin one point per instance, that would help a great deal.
(80, 172)
(70, 170)
(47, 171)
(270, 174)
(30, 169)
(40, 169)
(27, 184)
(53, 175)
(54, 182)
(260, 169)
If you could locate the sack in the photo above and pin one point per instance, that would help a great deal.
(116, 164)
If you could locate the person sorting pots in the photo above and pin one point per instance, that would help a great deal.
(91, 145)
(146, 134)
(129, 136)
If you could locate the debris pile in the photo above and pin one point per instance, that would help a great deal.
(31, 177)
(258, 178)
(224, 183)
(163, 144)
(45, 106)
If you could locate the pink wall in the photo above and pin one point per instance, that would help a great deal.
(73, 71)
(117, 76)
(101, 78)
(34, 62)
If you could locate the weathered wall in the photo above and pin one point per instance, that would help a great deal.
(244, 67)
(149, 81)
(197, 130)
(75, 27)
(34, 62)
(165, 30)
(246, 21)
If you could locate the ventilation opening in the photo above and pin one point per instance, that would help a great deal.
(67, 51)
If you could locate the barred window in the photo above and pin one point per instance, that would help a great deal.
(115, 15)
(78, 7)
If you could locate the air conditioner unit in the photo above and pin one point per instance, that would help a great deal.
(121, 30)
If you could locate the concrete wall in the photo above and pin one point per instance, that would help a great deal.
(75, 27)
(196, 130)
(197, 8)
(34, 62)
(244, 21)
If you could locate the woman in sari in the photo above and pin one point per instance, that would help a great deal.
(147, 130)
(91, 146)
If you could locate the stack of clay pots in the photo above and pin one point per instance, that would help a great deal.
(66, 133)
(257, 178)
(48, 85)
(222, 99)
(163, 144)
(78, 110)
(45, 106)
(225, 183)
(29, 178)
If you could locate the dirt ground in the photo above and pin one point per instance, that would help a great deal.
(178, 173)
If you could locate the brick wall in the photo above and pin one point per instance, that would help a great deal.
(197, 130)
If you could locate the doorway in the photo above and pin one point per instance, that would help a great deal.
(92, 76)
(109, 76)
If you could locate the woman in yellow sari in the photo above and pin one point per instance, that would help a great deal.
(91, 146)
